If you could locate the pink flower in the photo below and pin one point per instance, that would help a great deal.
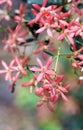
(18, 35)
(45, 18)
(8, 70)
(45, 93)
(50, 91)
(20, 13)
(2, 1)
(70, 30)
(19, 65)
(32, 83)
(43, 70)
(46, 27)
(4, 14)
(15, 37)
(42, 11)
(9, 2)
(55, 84)
(43, 47)
(74, 4)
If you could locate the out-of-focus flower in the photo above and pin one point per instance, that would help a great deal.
(18, 35)
(9, 2)
(74, 6)
(8, 70)
(69, 30)
(20, 13)
(19, 64)
(32, 83)
(15, 37)
(4, 13)
(43, 47)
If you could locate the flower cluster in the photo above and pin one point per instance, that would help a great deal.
(51, 85)
(51, 27)
(14, 70)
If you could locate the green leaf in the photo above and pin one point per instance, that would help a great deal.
(80, 6)
(49, 53)
(78, 42)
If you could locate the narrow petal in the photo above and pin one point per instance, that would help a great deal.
(44, 56)
(36, 6)
(40, 76)
(23, 71)
(15, 78)
(12, 62)
(62, 89)
(41, 30)
(39, 104)
(38, 17)
(2, 1)
(72, 42)
(39, 91)
(49, 33)
(59, 8)
(67, 87)
(35, 69)
(44, 3)
(10, 3)
(37, 51)
(60, 78)
(2, 71)
(60, 37)
(49, 62)
(64, 97)
(8, 76)
(18, 28)
(28, 83)
(81, 58)
(51, 72)
(49, 105)
(4, 64)
(16, 60)
(56, 99)
(39, 62)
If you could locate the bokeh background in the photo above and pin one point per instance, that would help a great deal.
(18, 110)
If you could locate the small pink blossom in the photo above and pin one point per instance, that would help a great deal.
(9, 2)
(19, 66)
(8, 70)
(43, 47)
(15, 37)
(20, 13)
(43, 70)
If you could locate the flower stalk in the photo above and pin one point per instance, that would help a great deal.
(58, 55)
